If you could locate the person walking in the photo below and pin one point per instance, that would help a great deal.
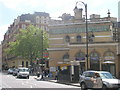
(38, 74)
(56, 75)
(42, 76)
(97, 81)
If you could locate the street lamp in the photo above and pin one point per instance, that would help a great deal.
(86, 30)
(42, 51)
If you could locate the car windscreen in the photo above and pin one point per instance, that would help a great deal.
(106, 76)
(23, 70)
(10, 69)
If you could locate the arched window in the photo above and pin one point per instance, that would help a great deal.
(94, 61)
(78, 38)
(109, 55)
(66, 57)
(67, 39)
(80, 56)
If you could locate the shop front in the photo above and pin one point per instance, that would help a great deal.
(94, 61)
(70, 72)
(109, 63)
(80, 57)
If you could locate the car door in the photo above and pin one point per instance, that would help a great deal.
(88, 81)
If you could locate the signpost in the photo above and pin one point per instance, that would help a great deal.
(46, 55)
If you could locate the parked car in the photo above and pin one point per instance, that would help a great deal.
(10, 71)
(23, 72)
(87, 80)
(15, 71)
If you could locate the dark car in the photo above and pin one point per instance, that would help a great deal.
(106, 80)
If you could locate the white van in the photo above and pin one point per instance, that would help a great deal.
(23, 72)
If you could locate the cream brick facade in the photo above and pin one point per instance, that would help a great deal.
(103, 45)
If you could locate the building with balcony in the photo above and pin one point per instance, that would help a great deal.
(38, 19)
(119, 11)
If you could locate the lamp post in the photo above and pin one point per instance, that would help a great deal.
(42, 51)
(86, 31)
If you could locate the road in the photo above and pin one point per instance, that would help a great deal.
(10, 81)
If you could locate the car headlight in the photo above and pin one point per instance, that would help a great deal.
(110, 85)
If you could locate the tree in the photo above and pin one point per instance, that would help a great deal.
(29, 44)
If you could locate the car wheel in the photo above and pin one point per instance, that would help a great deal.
(17, 76)
(116, 88)
(83, 86)
(104, 87)
(27, 77)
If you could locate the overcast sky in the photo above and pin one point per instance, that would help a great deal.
(11, 9)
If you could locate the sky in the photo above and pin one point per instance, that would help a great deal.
(11, 9)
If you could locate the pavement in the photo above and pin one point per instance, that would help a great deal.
(73, 84)
(55, 81)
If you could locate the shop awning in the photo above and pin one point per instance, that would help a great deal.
(108, 62)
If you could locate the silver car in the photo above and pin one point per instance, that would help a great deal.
(10, 71)
(15, 71)
(107, 80)
(23, 72)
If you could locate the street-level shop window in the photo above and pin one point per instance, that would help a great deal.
(94, 61)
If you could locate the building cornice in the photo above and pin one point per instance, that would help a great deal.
(58, 49)
(94, 44)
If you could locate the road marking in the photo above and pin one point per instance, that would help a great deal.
(23, 83)
(26, 81)
(35, 84)
(6, 86)
(31, 87)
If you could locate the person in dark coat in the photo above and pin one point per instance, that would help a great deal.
(42, 76)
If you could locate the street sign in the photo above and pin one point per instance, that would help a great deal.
(46, 55)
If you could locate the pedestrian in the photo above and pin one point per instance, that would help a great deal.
(50, 75)
(42, 76)
(31, 71)
(38, 74)
(56, 75)
(45, 73)
(97, 81)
